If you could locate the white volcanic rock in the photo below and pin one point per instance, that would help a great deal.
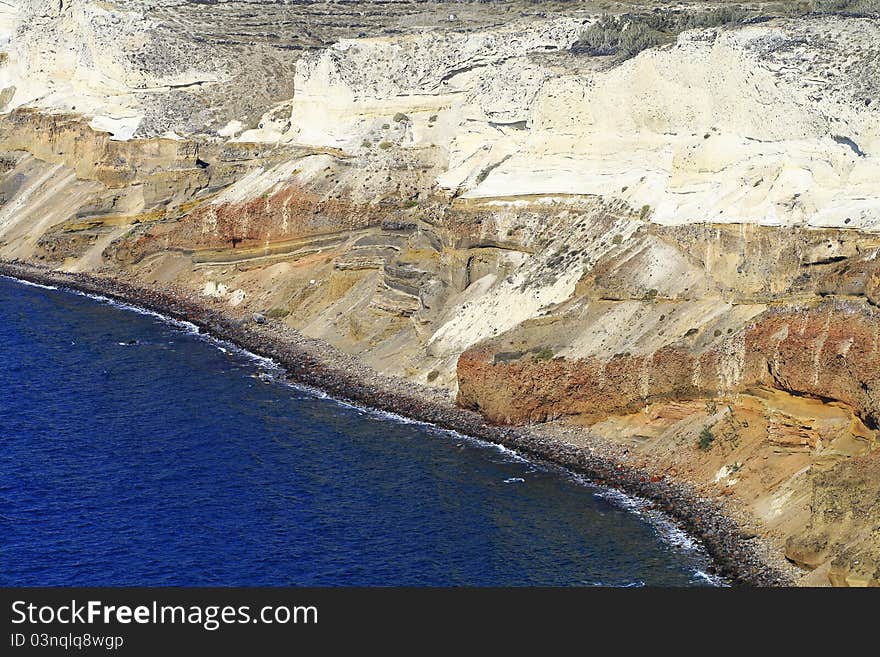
(717, 128)
(94, 59)
(489, 307)
(771, 124)
(343, 90)
(763, 124)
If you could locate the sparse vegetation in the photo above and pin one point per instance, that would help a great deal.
(277, 313)
(729, 430)
(545, 354)
(651, 294)
(858, 7)
(724, 433)
(400, 117)
(617, 239)
(629, 34)
(366, 143)
(706, 439)
(385, 145)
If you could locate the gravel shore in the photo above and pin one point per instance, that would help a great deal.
(738, 554)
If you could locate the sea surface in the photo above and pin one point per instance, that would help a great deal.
(134, 451)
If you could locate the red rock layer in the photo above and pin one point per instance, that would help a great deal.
(828, 352)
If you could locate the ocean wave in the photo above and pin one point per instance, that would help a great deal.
(187, 327)
(29, 283)
(714, 580)
(666, 528)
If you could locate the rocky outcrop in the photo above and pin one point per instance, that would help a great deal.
(842, 528)
(827, 352)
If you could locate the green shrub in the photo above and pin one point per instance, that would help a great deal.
(601, 37)
(846, 6)
(400, 117)
(629, 34)
(637, 37)
(545, 354)
(277, 313)
(385, 145)
(706, 439)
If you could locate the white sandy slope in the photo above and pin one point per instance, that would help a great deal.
(774, 124)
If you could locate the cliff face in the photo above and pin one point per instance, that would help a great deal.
(457, 196)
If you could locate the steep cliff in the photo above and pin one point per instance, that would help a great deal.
(675, 251)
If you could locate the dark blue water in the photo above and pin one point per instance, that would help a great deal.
(133, 452)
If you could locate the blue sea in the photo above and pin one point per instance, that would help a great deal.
(134, 451)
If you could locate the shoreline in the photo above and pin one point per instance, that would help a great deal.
(736, 554)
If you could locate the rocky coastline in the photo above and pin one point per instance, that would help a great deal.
(739, 554)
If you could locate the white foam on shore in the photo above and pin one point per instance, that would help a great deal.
(714, 580)
(28, 283)
(187, 327)
(667, 529)
(383, 415)
(268, 364)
